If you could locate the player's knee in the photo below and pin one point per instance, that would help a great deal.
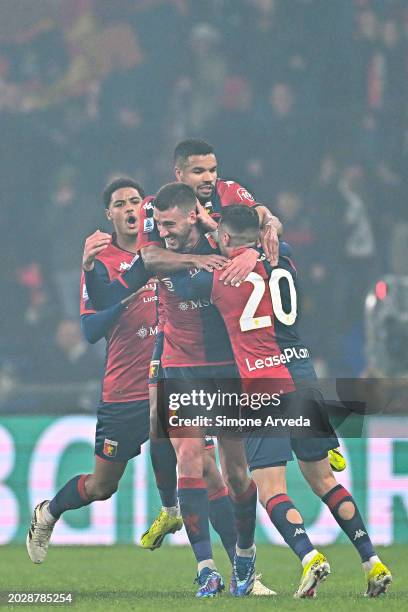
(322, 484)
(346, 510)
(210, 468)
(189, 462)
(236, 481)
(103, 490)
(213, 479)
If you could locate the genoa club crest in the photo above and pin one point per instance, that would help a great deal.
(110, 448)
(154, 368)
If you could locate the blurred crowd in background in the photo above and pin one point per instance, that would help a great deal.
(305, 101)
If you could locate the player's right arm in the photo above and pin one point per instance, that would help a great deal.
(159, 261)
(94, 245)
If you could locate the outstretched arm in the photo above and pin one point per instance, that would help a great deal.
(163, 261)
(97, 325)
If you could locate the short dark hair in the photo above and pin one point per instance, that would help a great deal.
(241, 222)
(191, 146)
(175, 194)
(119, 183)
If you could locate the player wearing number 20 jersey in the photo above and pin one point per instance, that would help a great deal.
(260, 317)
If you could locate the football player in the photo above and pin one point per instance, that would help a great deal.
(261, 319)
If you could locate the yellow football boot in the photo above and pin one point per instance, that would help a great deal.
(337, 461)
(161, 526)
(378, 580)
(314, 572)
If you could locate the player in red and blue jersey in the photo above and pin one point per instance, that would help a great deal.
(129, 328)
(261, 319)
(188, 356)
(201, 351)
(195, 164)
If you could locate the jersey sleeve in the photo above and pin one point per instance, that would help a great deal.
(285, 250)
(104, 293)
(96, 325)
(233, 193)
(147, 232)
(85, 303)
(193, 284)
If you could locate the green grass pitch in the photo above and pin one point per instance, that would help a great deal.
(128, 578)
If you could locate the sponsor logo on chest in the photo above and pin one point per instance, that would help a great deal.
(146, 331)
(194, 304)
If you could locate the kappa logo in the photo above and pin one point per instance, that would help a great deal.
(298, 531)
(110, 448)
(124, 265)
(148, 225)
(359, 534)
(244, 194)
(148, 205)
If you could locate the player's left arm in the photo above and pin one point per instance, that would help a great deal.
(270, 228)
(97, 325)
